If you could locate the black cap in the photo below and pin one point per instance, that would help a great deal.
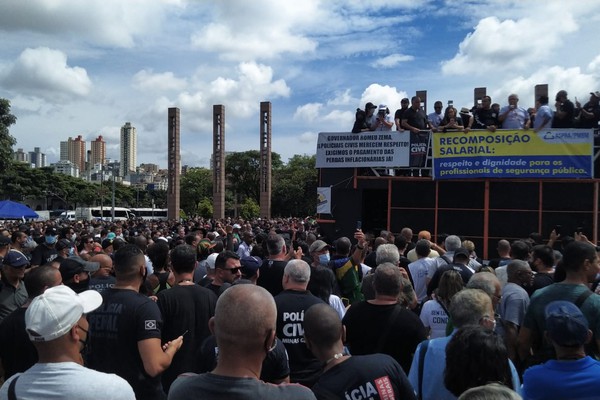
(51, 231)
(4, 240)
(75, 265)
(63, 244)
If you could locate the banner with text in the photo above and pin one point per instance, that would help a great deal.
(553, 153)
(368, 149)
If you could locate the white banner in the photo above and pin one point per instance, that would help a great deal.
(324, 200)
(367, 149)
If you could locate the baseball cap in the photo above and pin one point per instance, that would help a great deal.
(565, 323)
(370, 106)
(63, 244)
(16, 259)
(210, 260)
(249, 266)
(461, 251)
(75, 265)
(53, 313)
(382, 108)
(317, 245)
(595, 94)
(51, 231)
(237, 226)
(111, 235)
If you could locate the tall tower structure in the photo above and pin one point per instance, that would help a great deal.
(98, 151)
(174, 164)
(37, 158)
(128, 149)
(265, 159)
(74, 150)
(218, 161)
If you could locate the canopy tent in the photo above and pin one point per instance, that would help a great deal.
(12, 210)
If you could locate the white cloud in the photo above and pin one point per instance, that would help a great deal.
(383, 94)
(104, 22)
(510, 45)
(594, 65)
(578, 85)
(342, 99)
(308, 112)
(391, 61)
(165, 81)
(308, 137)
(44, 73)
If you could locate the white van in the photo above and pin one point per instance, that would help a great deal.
(67, 216)
(104, 213)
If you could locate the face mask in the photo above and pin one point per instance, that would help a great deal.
(50, 239)
(324, 259)
(71, 251)
(73, 237)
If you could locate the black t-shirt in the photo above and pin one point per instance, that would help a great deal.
(16, 350)
(375, 376)
(416, 118)
(291, 306)
(399, 113)
(43, 254)
(125, 318)
(567, 121)
(185, 308)
(366, 322)
(270, 276)
(540, 280)
(275, 367)
(592, 122)
(484, 118)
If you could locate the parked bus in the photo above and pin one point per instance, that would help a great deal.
(103, 213)
(150, 213)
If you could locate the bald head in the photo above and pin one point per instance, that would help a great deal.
(322, 326)
(245, 315)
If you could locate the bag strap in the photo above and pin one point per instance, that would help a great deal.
(11, 389)
(424, 346)
(388, 328)
(583, 297)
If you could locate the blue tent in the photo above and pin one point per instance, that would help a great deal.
(12, 210)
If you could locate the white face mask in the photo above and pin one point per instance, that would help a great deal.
(73, 237)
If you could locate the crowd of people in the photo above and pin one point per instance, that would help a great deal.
(483, 115)
(270, 309)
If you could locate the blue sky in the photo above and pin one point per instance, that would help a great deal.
(72, 67)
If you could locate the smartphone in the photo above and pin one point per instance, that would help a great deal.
(450, 103)
(479, 102)
(358, 225)
(557, 229)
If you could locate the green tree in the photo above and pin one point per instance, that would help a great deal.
(205, 208)
(242, 170)
(295, 187)
(196, 185)
(6, 140)
(249, 209)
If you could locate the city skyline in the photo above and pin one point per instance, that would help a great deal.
(74, 68)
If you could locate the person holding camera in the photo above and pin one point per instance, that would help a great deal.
(512, 116)
(383, 121)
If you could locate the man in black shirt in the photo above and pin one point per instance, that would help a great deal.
(485, 117)
(185, 307)
(399, 114)
(414, 119)
(565, 111)
(292, 303)
(378, 376)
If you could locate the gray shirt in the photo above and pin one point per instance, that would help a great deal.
(67, 380)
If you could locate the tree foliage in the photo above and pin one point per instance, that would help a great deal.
(196, 185)
(6, 140)
(243, 173)
(249, 209)
(295, 187)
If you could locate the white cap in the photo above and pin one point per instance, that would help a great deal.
(210, 260)
(53, 313)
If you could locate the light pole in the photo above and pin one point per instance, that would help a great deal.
(113, 195)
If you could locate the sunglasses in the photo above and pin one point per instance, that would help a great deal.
(232, 270)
